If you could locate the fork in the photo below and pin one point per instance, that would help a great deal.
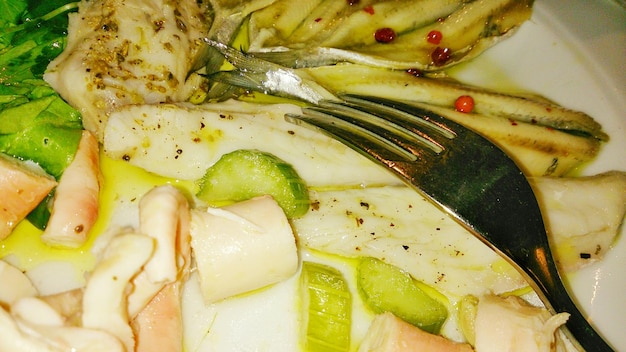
(466, 176)
(458, 170)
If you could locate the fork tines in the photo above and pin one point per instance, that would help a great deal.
(388, 130)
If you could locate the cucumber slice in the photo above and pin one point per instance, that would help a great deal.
(387, 288)
(467, 308)
(244, 174)
(327, 308)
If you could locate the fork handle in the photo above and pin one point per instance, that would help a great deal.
(557, 299)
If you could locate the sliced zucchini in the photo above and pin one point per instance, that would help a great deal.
(244, 174)
(327, 308)
(387, 288)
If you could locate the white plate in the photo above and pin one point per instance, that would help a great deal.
(574, 52)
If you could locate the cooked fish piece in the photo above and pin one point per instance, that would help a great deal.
(420, 34)
(128, 52)
(183, 140)
(584, 213)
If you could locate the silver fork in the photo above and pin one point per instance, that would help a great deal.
(465, 175)
(461, 172)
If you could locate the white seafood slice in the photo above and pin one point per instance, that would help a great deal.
(159, 326)
(36, 311)
(388, 333)
(75, 206)
(15, 284)
(21, 336)
(164, 216)
(183, 140)
(156, 302)
(128, 52)
(22, 186)
(510, 324)
(104, 300)
(242, 247)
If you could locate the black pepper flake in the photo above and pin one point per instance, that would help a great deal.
(405, 247)
(159, 25)
(291, 132)
(126, 157)
(585, 255)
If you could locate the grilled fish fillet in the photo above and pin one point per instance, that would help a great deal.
(123, 52)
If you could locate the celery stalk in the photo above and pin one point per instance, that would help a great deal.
(327, 308)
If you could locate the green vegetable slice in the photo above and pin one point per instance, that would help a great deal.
(244, 174)
(327, 308)
(387, 288)
(467, 307)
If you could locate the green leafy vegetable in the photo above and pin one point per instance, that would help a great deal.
(35, 123)
(32, 34)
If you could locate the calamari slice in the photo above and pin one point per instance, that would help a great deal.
(388, 333)
(155, 303)
(242, 247)
(164, 216)
(24, 336)
(75, 205)
(15, 284)
(128, 52)
(510, 324)
(158, 326)
(104, 300)
(23, 187)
